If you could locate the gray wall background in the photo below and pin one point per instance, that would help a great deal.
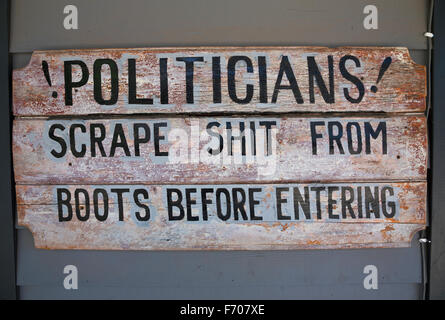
(324, 274)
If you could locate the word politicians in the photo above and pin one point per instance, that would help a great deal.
(236, 69)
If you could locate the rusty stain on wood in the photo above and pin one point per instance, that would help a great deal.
(267, 71)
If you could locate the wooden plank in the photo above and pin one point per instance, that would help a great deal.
(172, 217)
(185, 150)
(274, 79)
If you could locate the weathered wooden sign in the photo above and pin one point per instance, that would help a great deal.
(220, 148)
(205, 80)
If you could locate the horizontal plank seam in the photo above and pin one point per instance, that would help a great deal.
(358, 222)
(149, 115)
(24, 183)
(15, 50)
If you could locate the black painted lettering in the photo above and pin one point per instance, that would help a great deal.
(345, 73)
(262, 75)
(358, 132)
(335, 137)
(346, 202)
(223, 216)
(268, 125)
(318, 191)
(163, 80)
(68, 75)
(253, 138)
(231, 138)
(132, 94)
(144, 194)
(189, 72)
(189, 202)
(175, 203)
(114, 89)
(119, 141)
(370, 132)
(304, 203)
(137, 138)
(97, 139)
(104, 195)
(231, 83)
(158, 137)
(216, 78)
(359, 202)
(332, 202)
(61, 141)
(61, 202)
(253, 203)
(279, 201)
(315, 135)
(314, 73)
(83, 149)
(372, 202)
(205, 201)
(388, 204)
(285, 68)
(79, 206)
(215, 134)
(120, 201)
(239, 202)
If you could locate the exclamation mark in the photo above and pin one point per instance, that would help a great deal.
(47, 77)
(383, 68)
